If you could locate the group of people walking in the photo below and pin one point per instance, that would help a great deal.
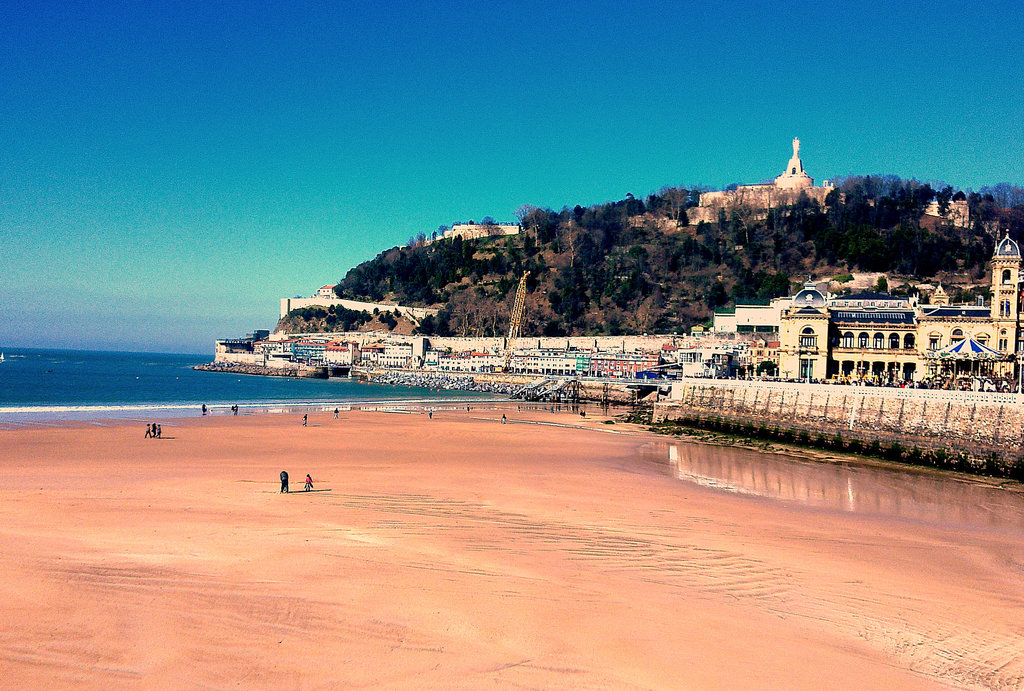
(153, 431)
(284, 482)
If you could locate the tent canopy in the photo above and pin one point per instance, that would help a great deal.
(967, 349)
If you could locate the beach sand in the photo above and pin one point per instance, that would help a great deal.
(461, 553)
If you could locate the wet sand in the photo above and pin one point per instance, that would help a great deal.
(458, 553)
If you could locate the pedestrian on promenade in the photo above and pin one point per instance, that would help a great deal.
(309, 483)
(284, 481)
(304, 418)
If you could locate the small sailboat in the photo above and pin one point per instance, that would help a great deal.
(1, 356)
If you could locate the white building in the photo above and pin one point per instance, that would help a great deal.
(547, 361)
(471, 361)
(707, 362)
(396, 356)
(752, 318)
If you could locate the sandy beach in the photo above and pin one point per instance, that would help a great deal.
(457, 552)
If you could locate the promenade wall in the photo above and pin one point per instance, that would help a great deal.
(975, 423)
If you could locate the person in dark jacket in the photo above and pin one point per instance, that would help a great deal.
(284, 480)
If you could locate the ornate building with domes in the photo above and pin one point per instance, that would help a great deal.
(883, 338)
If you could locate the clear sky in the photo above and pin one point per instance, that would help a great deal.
(169, 171)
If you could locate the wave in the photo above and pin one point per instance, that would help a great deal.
(176, 409)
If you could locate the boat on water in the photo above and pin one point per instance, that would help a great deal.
(1, 357)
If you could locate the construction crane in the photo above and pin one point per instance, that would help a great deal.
(515, 324)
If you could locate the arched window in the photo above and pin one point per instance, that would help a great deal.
(879, 342)
(1006, 277)
(862, 340)
(848, 339)
(908, 341)
(894, 341)
(958, 334)
(807, 338)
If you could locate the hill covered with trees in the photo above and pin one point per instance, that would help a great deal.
(638, 266)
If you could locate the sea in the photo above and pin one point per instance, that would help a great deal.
(52, 385)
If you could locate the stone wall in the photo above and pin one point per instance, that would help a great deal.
(413, 313)
(972, 422)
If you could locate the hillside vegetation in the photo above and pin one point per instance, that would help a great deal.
(638, 266)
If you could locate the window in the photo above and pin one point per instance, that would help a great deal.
(848, 339)
(894, 341)
(808, 339)
(879, 342)
(908, 342)
(958, 334)
(1006, 277)
(934, 342)
(1002, 344)
(862, 340)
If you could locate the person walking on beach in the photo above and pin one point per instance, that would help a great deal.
(503, 418)
(335, 413)
(304, 418)
(159, 431)
(149, 431)
(309, 483)
(284, 481)
(204, 409)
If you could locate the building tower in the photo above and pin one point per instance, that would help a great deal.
(1006, 266)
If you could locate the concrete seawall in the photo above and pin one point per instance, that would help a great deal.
(966, 422)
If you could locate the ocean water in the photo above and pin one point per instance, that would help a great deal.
(42, 385)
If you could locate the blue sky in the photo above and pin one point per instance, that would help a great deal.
(168, 171)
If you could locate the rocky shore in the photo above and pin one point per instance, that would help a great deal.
(442, 380)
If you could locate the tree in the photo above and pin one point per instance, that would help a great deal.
(882, 285)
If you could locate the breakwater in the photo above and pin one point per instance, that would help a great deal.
(298, 371)
(985, 428)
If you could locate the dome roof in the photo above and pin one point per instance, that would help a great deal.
(810, 296)
(1007, 248)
